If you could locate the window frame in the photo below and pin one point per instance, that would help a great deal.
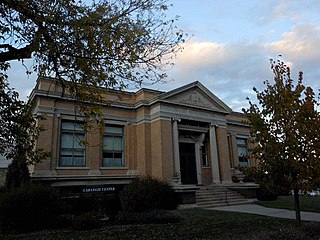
(245, 163)
(113, 151)
(75, 132)
(205, 154)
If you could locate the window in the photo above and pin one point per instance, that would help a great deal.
(113, 154)
(242, 152)
(204, 154)
(72, 148)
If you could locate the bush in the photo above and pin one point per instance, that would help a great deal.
(252, 174)
(30, 208)
(86, 221)
(267, 190)
(78, 206)
(17, 174)
(111, 206)
(147, 193)
(107, 205)
(148, 217)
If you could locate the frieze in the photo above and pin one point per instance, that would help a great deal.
(194, 99)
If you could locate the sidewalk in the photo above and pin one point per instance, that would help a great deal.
(271, 212)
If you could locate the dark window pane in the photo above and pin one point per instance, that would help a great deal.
(117, 155)
(107, 155)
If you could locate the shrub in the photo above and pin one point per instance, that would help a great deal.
(30, 208)
(148, 217)
(78, 206)
(106, 205)
(267, 190)
(86, 221)
(111, 206)
(147, 193)
(252, 174)
(17, 174)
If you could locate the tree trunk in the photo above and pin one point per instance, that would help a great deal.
(297, 205)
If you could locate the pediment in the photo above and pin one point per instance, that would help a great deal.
(196, 95)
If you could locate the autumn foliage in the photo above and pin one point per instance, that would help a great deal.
(286, 130)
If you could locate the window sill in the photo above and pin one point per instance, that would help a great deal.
(114, 168)
(72, 168)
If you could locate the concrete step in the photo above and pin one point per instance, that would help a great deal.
(213, 205)
(214, 194)
(218, 196)
(219, 199)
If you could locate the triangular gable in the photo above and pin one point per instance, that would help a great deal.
(196, 95)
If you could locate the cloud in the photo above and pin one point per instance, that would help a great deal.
(273, 11)
(300, 47)
(301, 44)
(228, 70)
(231, 70)
(202, 54)
(221, 60)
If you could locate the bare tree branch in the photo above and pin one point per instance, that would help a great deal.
(15, 53)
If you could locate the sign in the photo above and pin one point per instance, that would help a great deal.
(98, 189)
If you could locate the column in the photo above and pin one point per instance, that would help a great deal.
(234, 151)
(214, 155)
(176, 156)
(224, 162)
(198, 145)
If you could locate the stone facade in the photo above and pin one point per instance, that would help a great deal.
(186, 136)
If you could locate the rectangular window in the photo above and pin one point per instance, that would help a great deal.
(72, 147)
(243, 152)
(204, 154)
(113, 150)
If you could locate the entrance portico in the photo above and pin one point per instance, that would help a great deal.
(188, 144)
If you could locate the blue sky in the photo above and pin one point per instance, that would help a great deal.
(231, 44)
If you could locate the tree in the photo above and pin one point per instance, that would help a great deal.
(110, 43)
(17, 174)
(286, 130)
(19, 131)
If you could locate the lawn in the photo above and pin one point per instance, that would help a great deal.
(307, 203)
(194, 224)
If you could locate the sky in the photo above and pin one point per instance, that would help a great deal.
(230, 45)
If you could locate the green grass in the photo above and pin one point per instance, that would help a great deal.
(307, 203)
(194, 224)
